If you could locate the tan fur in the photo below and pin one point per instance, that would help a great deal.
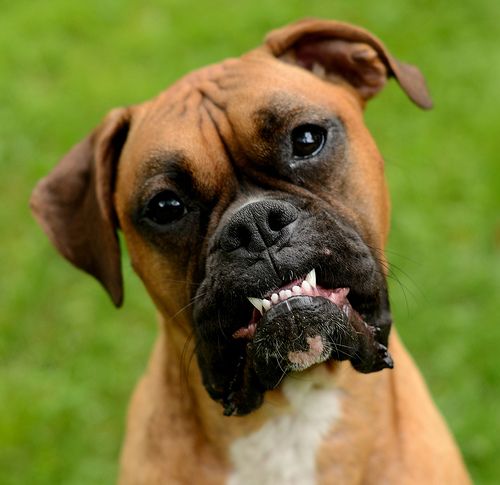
(390, 431)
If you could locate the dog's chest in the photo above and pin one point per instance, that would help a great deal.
(284, 449)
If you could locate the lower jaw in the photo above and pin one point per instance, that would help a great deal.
(296, 334)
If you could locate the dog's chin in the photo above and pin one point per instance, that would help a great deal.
(297, 333)
(295, 327)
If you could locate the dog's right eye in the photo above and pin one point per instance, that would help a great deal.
(164, 208)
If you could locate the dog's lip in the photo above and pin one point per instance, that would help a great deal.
(306, 286)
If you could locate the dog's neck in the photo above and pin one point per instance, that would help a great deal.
(328, 422)
(282, 440)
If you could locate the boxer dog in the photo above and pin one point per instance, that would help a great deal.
(253, 204)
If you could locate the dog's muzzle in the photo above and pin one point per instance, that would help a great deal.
(287, 286)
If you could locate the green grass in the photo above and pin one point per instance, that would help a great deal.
(69, 361)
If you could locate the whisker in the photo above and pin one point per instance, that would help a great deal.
(192, 302)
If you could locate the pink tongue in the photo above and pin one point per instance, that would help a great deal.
(339, 296)
(246, 332)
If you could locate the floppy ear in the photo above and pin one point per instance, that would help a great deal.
(343, 52)
(74, 205)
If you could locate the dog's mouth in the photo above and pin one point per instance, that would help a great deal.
(296, 326)
(288, 298)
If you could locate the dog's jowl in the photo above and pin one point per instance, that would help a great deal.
(253, 204)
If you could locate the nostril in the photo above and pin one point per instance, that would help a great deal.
(258, 225)
(243, 235)
(275, 220)
(237, 236)
(278, 218)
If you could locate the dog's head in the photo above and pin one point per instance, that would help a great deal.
(252, 200)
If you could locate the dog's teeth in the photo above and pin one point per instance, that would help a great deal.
(266, 304)
(306, 287)
(311, 278)
(282, 295)
(256, 303)
(347, 310)
(275, 298)
(288, 293)
(297, 290)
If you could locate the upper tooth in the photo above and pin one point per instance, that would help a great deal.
(266, 304)
(275, 298)
(297, 290)
(311, 278)
(282, 295)
(288, 293)
(256, 303)
(306, 286)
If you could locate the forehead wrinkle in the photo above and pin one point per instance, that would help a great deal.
(213, 160)
(184, 98)
(199, 150)
(176, 102)
(219, 83)
(187, 123)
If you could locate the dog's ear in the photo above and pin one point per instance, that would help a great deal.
(74, 203)
(343, 52)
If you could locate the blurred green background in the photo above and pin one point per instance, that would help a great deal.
(69, 360)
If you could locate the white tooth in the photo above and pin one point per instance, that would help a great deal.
(346, 309)
(266, 304)
(288, 293)
(306, 286)
(282, 295)
(311, 278)
(275, 298)
(256, 303)
(297, 290)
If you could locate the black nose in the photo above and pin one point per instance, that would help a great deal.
(258, 226)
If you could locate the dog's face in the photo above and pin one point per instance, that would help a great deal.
(253, 203)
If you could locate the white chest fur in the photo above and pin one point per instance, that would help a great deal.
(283, 451)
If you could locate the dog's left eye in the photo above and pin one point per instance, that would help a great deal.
(164, 208)
(307, 140)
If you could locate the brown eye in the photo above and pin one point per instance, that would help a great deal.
(307, 140)
(164, 208)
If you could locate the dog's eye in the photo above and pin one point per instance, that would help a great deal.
(307, 140)
(164, 208)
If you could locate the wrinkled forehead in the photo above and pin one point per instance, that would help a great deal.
(207, 119)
